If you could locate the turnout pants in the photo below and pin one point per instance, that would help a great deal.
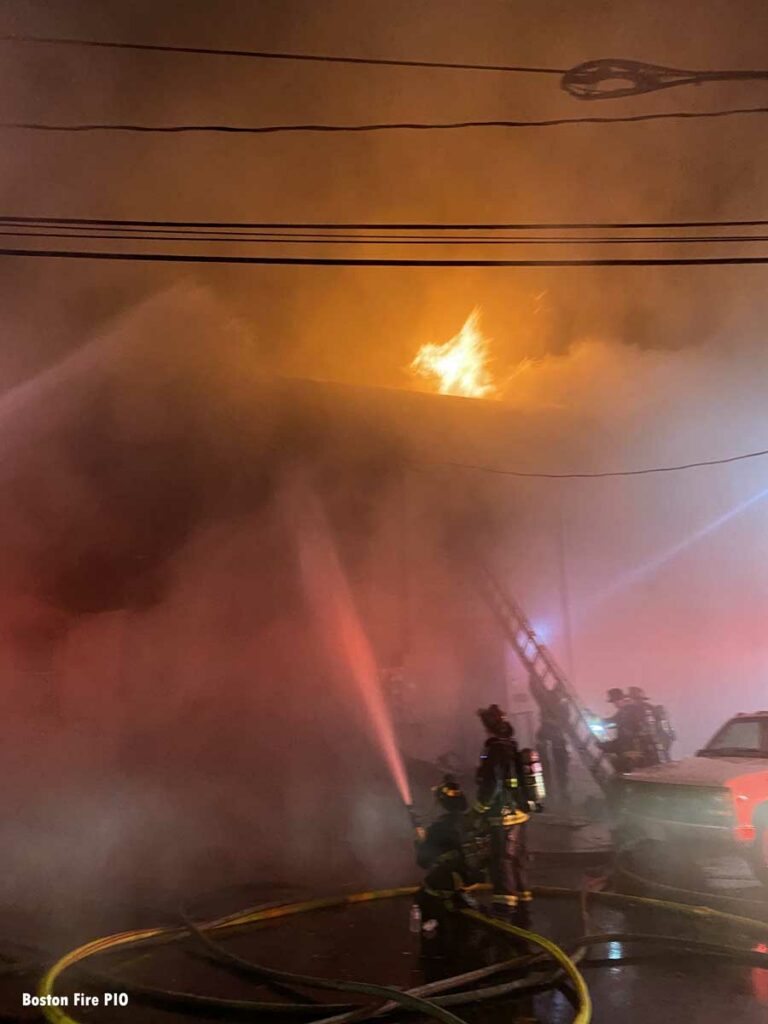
(509, 865)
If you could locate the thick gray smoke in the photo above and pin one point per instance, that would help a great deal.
(157, 652)
(178, 713)
(662, 573)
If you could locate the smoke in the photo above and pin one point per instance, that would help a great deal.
(167, 685)
(173, 693)
(663, 573)
(166, 694)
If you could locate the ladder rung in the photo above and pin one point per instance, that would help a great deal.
(542, 669)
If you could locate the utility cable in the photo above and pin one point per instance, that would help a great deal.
(587, 80)
(319, 226)
(646, 471)
(274, 129)
(322, 58)
(164, 235)
(616, 78)
(348, 261)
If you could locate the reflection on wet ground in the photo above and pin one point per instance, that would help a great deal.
(629, 982)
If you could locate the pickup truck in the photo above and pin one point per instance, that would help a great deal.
(714, 802)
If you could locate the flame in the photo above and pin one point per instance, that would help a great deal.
(460, 366)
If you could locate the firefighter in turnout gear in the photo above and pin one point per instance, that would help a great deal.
(505, 796)
(660, 732)
(447, 853)
(634, 745)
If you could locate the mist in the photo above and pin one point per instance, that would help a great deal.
(175, 712)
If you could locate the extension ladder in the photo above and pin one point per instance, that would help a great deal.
(547, 681)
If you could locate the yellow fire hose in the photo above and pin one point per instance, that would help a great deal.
(584, 1014)
(651, 883)
(56, 1015)
(151, 936)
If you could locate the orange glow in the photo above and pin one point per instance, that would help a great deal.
(760, 978)
(460, 366)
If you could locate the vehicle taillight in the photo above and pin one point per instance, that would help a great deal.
(745, 833)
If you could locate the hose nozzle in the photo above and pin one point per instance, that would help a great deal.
(416, 824)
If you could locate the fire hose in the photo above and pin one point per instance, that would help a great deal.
(651, 883)
(428, 1008)
(414, 999)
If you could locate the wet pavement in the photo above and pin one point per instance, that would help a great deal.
(630, 983)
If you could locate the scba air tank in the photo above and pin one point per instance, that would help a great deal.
(534, 776)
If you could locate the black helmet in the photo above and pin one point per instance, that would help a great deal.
(637, 693)
(614, 695)
(495, 721)
(450, 795)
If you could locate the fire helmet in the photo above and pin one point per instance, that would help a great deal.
(495, 721)
(637, 693)
(450, 795)
(614, 695)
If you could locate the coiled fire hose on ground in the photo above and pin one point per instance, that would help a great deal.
(428, 1008)
(414, 999)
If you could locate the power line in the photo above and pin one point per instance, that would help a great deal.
(325, 261)
(274, 129)
(586, 80)
(408, 226)
(592, 79)
(610, 473)
(373, 240)
(323, 58)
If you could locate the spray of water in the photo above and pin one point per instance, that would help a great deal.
(42, 387)
(333, 605)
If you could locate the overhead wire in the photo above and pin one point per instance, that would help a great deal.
(587, 81)
(645, 471)
(322, 58)
(385, 226)
(339, 238)
(274, 129)
(603, 78)
(349, 261)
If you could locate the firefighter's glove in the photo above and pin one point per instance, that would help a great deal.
(478, 822)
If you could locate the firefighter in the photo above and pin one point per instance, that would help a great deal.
(553, 749)
(504, 799)
(667, 734)
(444, 850)
(633, 746)
(646, 726)
(657, 725)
